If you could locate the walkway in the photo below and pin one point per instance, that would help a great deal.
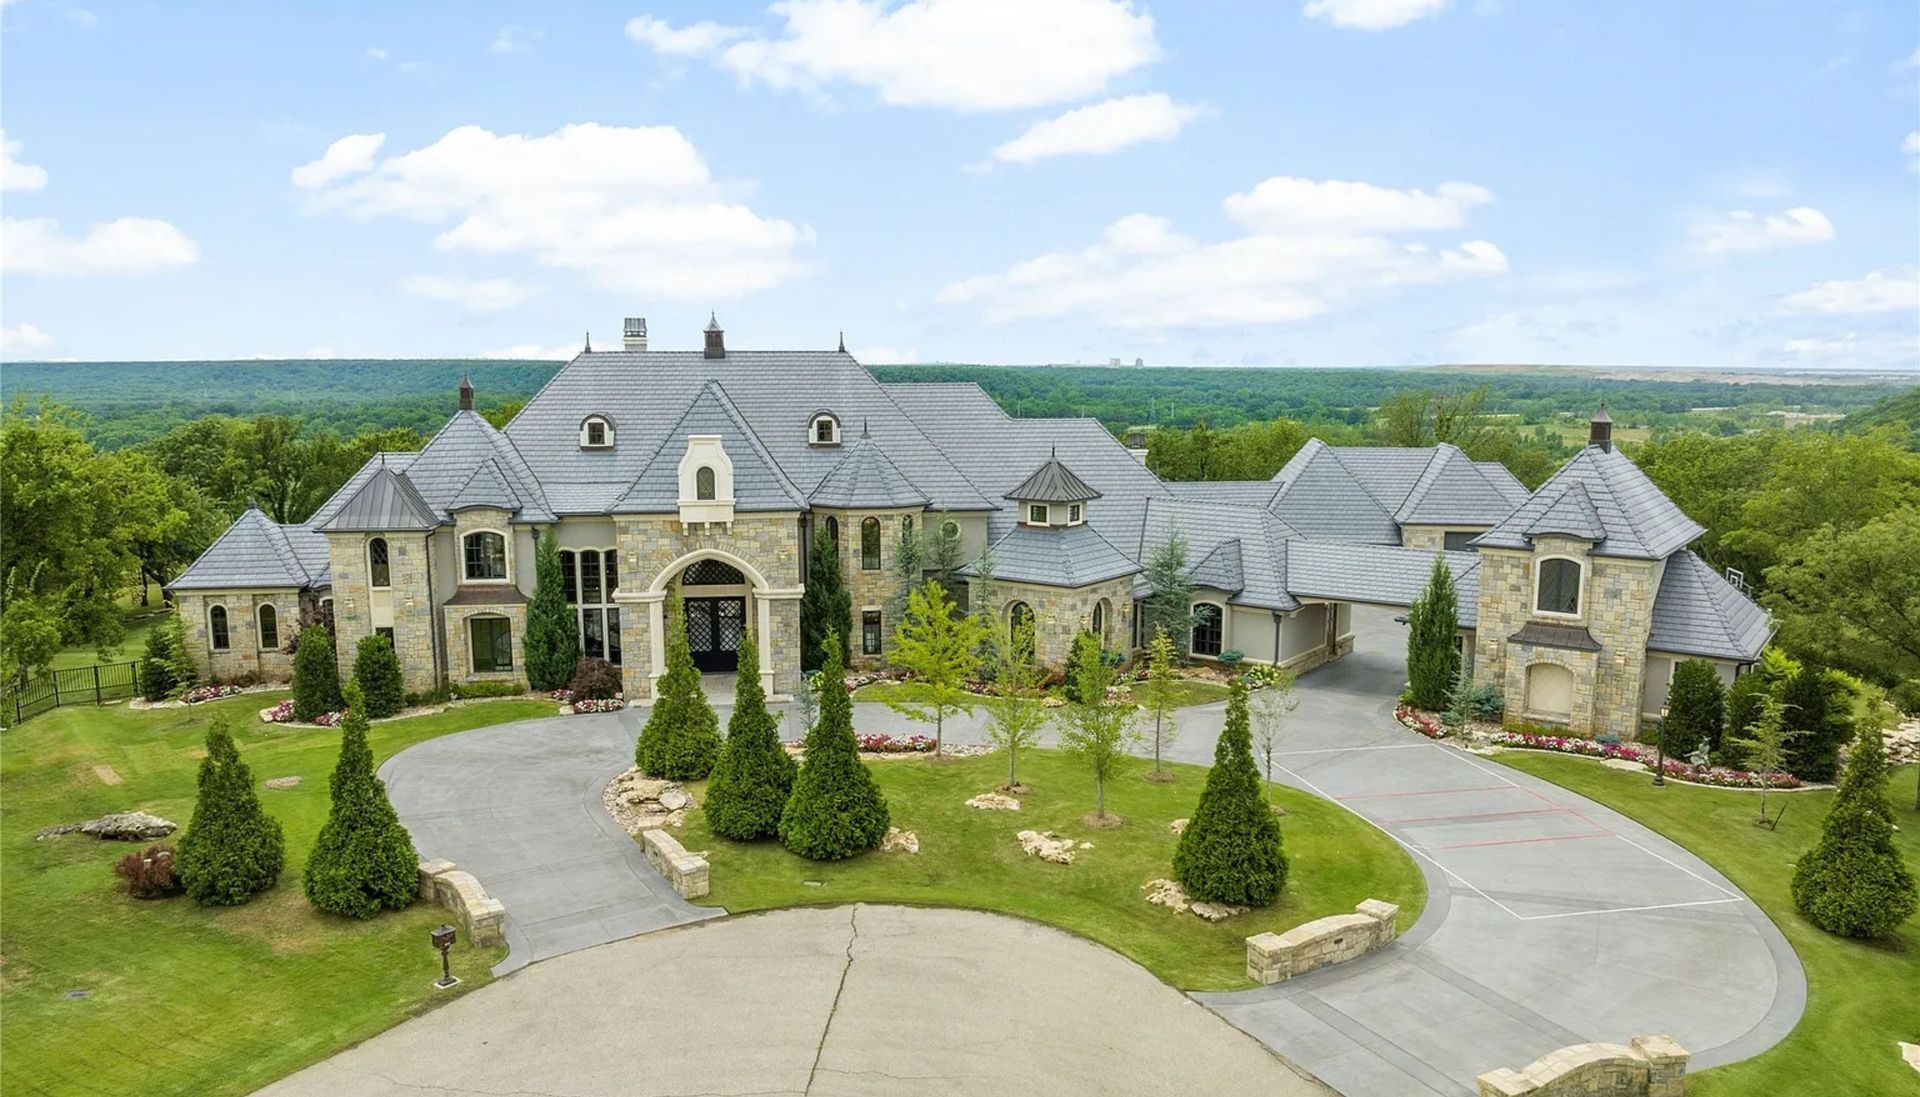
(833, 1003)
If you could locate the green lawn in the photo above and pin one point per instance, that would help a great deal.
(970, 858)
(184, 999)
(139, 621)
(1861, 996)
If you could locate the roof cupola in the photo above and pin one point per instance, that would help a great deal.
(466, 393)
(716, 338)
(1600, 429)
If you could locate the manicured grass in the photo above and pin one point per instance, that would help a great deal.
(970, 858)
(139, 622)
(186, 999)
(1861, 996)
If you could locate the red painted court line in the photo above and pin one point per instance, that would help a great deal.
(1526, 841)
(1471, 815)
(1427, 792)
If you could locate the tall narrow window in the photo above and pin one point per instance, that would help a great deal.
(590, 579)
(1100, 621)
(613, 635)
(569, 578)
(593, 633)
(870, 632)
(386, 631)
(269, 628)
(833, 531)
(1020, 629)
(379, 576)
(612, 559)
(492, 644)
(1559, 590)
(486, 555)
(870, 544)
(703, 483)
(217, 628)
(1206, 629)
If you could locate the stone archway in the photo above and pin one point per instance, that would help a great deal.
(726, 580)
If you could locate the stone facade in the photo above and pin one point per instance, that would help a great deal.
(1650, 1066)
(1062, 613)
(459, 635)
(687, 872)
(244, 658)
(406, 606)
(871, 588)
(1277, 957)
(1433, 537)
(482, 916)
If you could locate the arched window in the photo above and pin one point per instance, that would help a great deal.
(1100, 614)
(870, 544)
(269, 627)
(906, 526)
(217, 628)
(703, 483)
(833, 531)
(379, 576)
(1557, 591)
(1020, 629)
(486, 556)
(825, 430)
(596, 432)
(1206, 629)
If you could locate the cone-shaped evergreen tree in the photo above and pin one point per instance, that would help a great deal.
(233, 849)
(376, 671)
(1696, 709)
(681, 739)
(364, 861)
(836, 809)
(1817, 723)
(551, 644)
(316, 674)
(1853, 881)
(1432, 662)
(1230, 852)
(826, 609)
(754, 775)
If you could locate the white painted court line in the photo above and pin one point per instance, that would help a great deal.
(1626, 910)
(1350, 750)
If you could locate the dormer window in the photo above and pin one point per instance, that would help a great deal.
(825, 430)
(703, 484)
(596, 432)
(1075, 514)
(1036, 514)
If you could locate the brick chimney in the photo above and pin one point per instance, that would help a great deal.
(1600, 430)
(466, 393)
(716, 338)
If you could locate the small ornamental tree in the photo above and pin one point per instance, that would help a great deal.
(1853, 882)
(1230, 851)
(165, 668)
(1085, 649)
(1818, 723)
(1432, 661)
(681, 739)
(232, 849)
(1156, 693)
(1745, 698)
(1168, 605)
(1765, 744)
(939, 648)
(376, 671)
(826, 609)
(1098, 730)
(754, 775)
(1017, 709)
(551, 641)
(836, 809)
(1268, 707)
(316, 674)
(363, 862)
(1696, 709)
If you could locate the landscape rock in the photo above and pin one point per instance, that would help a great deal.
(1217, 912)
(1169, 894)
(994, 801)
(282, 782)
(675, 798)
(1903, 743)
(1050, 846)
(900, 841)
(1178, 826)
(1911, 1053)
(121, 826)
(638, 802)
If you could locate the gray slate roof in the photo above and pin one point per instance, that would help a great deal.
(865, 477)
(1635, 519)
(444, 467)
(1697, 612)
(1221, 569)
(384, 500)
(258, 552)
(1386, 575)
(487, 487)
(1058, 556)
(1321, 497)
(759, 484)
(1262, 542)
(1252, 493)
(1454, 490)
(1570, 514)
(1052, 482)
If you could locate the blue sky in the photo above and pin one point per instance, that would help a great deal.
(1340, 182)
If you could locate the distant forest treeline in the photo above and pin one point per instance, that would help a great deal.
(130, 402)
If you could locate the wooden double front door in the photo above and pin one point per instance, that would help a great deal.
(715, 627)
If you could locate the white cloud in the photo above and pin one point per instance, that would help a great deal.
(512, 39)
(474, 295)
(534, 351)
(1308, 248)
(693, 40)
(128, 245)
(1101, 128)
(375, 53)
(1911, 146)
(22, 339)
(1375, 14)
(1857, 350)
(13, 174)
(1744, 230)
(350, 155)
(635, 207)
(966, 55)
(1876, 292)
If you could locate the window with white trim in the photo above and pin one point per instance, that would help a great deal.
(596, 432)
(824, 430)
(1208, 628)
(1036, 514)
(1075, 515)
(492, 644)
(1556, 589)
(588, 578)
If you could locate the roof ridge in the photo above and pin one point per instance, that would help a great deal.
(759, 447)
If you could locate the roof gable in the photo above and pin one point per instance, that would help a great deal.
(1571, 514)
(1634, 519)
(448, 463)
(386, 500)
(1323, 500)
(257, 552)
(759, 484)
(1453, 490)
(1221, 568)
(866, 477)
(487, 487)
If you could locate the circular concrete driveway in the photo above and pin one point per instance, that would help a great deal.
(830, 1003)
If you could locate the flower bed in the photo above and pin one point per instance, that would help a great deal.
(1416, 720)
(893, 744)
(327, 720)
(598, 704)
(281, 713)
(562, 695)
(1679, 770)
(201, 694)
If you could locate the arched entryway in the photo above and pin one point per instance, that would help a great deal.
(715, 596)
(725, 595)
(1550, 691)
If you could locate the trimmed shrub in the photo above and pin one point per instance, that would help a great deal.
(836, 809)
(1696, 709)
(597, 680)
(376, 670)
(1433, 664)
(316, 674)
(232, 849)
(754, 775)
(156, 662)
(150, 873)
(1853, 882)
(681, 739)
(363, 861)
(1231, 852)
(1817, 723)
(550, 643)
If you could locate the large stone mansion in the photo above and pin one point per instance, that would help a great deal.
(710, 471)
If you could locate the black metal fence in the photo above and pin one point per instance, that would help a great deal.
(94, 685)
